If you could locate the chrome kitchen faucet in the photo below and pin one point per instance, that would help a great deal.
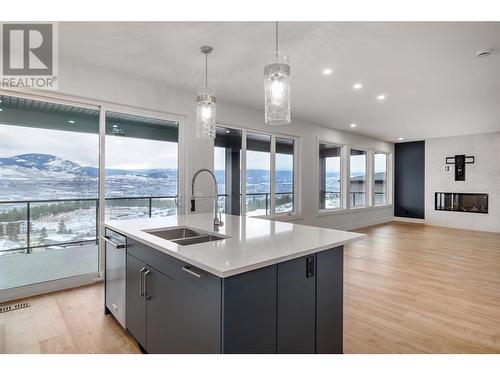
(217, 215)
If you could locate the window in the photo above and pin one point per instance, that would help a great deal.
(262, 172)
(284, 179)
(220, 175)
(380, 179)
(141, 166)
(227, 168)
(330, 176)
(258, 174)
(357, 181)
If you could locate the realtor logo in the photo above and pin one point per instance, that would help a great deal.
(29, 55)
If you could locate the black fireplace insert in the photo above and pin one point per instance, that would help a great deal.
(462, 202)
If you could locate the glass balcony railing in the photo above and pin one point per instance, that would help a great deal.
(37, 225)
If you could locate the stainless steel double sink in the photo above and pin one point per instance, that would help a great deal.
(185, 236)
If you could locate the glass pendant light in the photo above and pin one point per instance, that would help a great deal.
(277, 88)
(205, 104)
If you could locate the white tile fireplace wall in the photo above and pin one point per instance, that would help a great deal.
(481, 177)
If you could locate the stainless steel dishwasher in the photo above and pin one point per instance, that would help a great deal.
(115, 258)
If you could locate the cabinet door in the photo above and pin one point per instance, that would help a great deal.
(136, 302)
(250, 312)
(329, 301)
(296, 306)
(183, 313)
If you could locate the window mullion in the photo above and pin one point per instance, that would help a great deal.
(273, 175)
(243, 187)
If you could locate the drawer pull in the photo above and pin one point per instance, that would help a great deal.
(141, 282)
(196, 273)
(146, 289)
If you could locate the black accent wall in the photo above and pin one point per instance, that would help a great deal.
(409, 179)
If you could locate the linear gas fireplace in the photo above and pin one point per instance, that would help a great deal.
(462, 202)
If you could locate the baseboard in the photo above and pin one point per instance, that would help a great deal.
(408, 220)
(13, 294)
(367, 223)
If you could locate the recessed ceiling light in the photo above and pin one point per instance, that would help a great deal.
(327, 71)
(228, 131)
(1, 109)
(71, 121)
(357, 86)
(381, 97)
(353, 125)
(484, 52)
(401, 139)
(0, 100)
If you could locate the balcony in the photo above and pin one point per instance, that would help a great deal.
(43, 240)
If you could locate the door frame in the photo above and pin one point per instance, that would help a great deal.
(101, 106)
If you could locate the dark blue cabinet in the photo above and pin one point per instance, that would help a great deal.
(296, 315)
(291, 307)
(183, 312)
(180, 308)
(329, 301)
(136, 303)
(249, 318)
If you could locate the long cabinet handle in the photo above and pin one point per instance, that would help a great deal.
(117, 245)
(146, 291)
(191, 271)
(141, 284)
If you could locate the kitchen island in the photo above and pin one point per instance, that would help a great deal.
(256, 286)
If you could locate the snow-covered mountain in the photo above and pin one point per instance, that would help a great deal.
(44, 176)
(28, 165)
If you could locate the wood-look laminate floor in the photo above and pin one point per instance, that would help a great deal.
(70, 321)
(409, 288)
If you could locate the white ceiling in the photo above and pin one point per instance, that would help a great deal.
(435, 85)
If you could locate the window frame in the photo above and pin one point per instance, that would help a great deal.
(368, 177)
(388, 177)
(323, 211)
(345, 166)
(103, 106)
(272, 203)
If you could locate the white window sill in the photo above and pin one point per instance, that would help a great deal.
(338, 211)
(281, 217)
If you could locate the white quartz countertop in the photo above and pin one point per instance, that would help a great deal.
(252, 243)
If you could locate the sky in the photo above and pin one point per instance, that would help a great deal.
(82, 148)
(256, 160)
(128, 153)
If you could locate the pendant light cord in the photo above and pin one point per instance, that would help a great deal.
(206, 70)
(277, 46)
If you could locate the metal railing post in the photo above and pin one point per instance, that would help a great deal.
(97, 219)
(28, 228)
(150, 205)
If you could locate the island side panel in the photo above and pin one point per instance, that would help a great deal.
(329, 300)
(249, 312)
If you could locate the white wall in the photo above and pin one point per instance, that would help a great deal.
(112, 87)
(481, 177)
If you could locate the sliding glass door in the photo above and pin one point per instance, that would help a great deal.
(50, 195)
(49, 157)
(141, 166)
